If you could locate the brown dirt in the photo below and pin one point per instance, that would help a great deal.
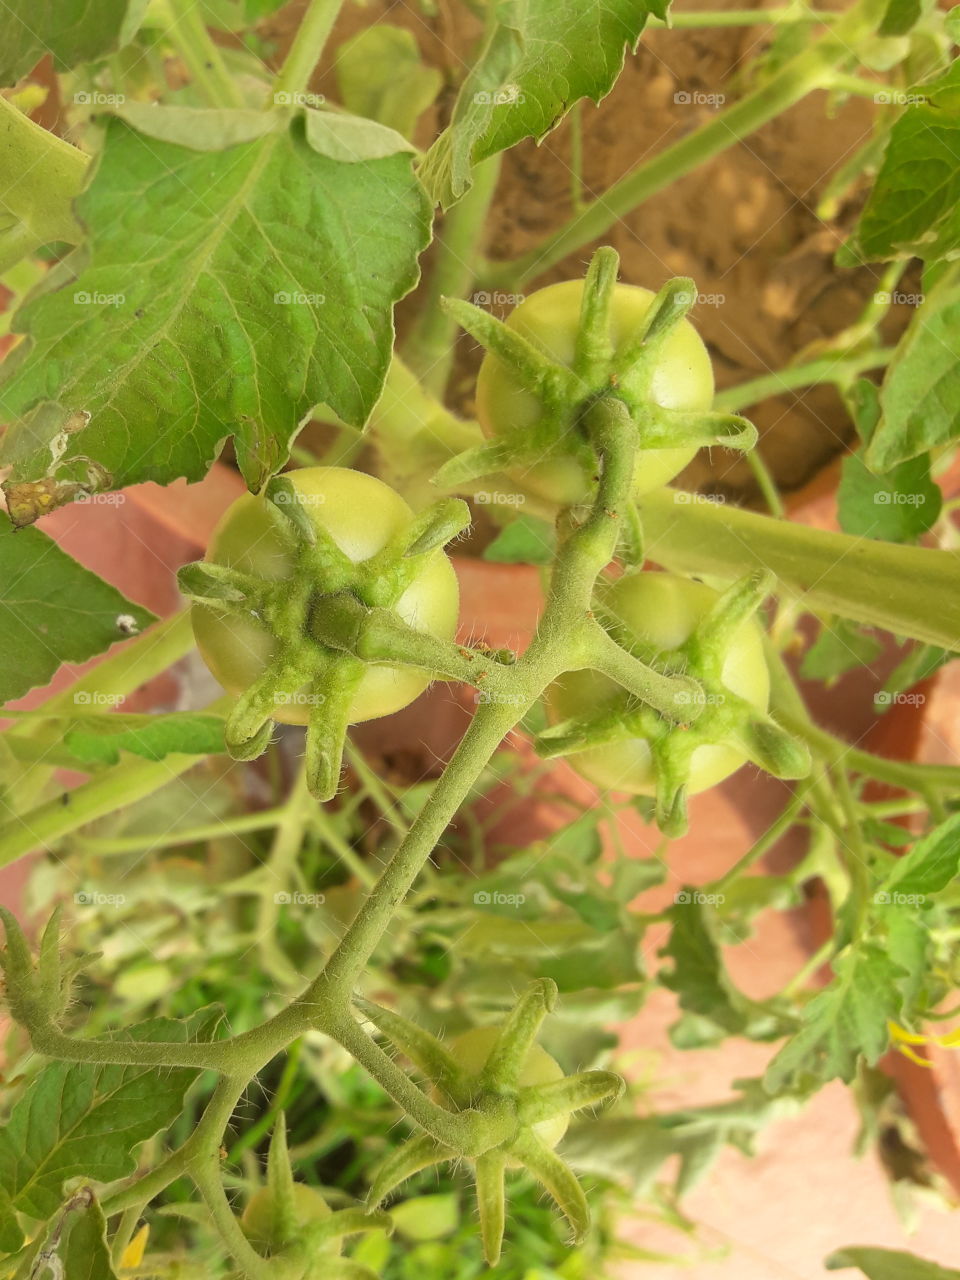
(744, 226)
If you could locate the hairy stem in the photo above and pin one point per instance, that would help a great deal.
(308, 45)
(203, 59)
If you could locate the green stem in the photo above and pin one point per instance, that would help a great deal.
(41, 176)
(105, 846)
(206, 1176)
(779, 827)
(265, 1123)
(766, 483)
(308, 45)
(809, 968)
(188, 32)
(911, 591)
(429, 350)
(809, 70)
(831, 369)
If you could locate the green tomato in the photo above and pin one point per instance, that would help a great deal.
(682, 379)
(662, 610)
(258, 1219)
(471, 1050)
(361, 514)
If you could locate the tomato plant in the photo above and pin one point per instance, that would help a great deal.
(507, 406)
(289, 994)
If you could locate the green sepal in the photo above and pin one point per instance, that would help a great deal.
(437, 526)
(220, 586)
(594, 349)
(773, 748)
(346, 1222)
(557, 1178)
(249, 726)
(572, 735)
(666, 311)
(283, 1209)
(539, 1102)
(491, 1202)
(715, 632)
(423, 1049)
(670, 811)
(417, 1154)
(673, 428)
(517, 1034)
(552, 382)
(285, 497)
(474, 464)
(327, 725)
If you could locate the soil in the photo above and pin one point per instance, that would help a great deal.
(744, 226)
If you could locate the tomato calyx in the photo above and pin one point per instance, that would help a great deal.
(482, 1073)
(292, 1222)
(567, 393)
(314, 616)
(722, 716)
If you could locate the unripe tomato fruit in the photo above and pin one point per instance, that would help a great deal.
(471, 1050)
(257, 1220)
(506, 406)
(660, 609)
(361, 514)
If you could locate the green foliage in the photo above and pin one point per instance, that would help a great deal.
(889, 1264)
(272, 294)
(54, 611)
(72, 30)
(526, 540)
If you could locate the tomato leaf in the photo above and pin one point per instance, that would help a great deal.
(899, 506)
(889, 1264)
(839, 647)
(526, 540)
(931, 864)
(541, 57)
(53, 611)
(85, 1119)
(381, 76)
(845, 1022)
(701, 983)
(241, 268)
(84, 1254)
(914, 207)
(72, 30)
(100, 740)
(920, 396)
